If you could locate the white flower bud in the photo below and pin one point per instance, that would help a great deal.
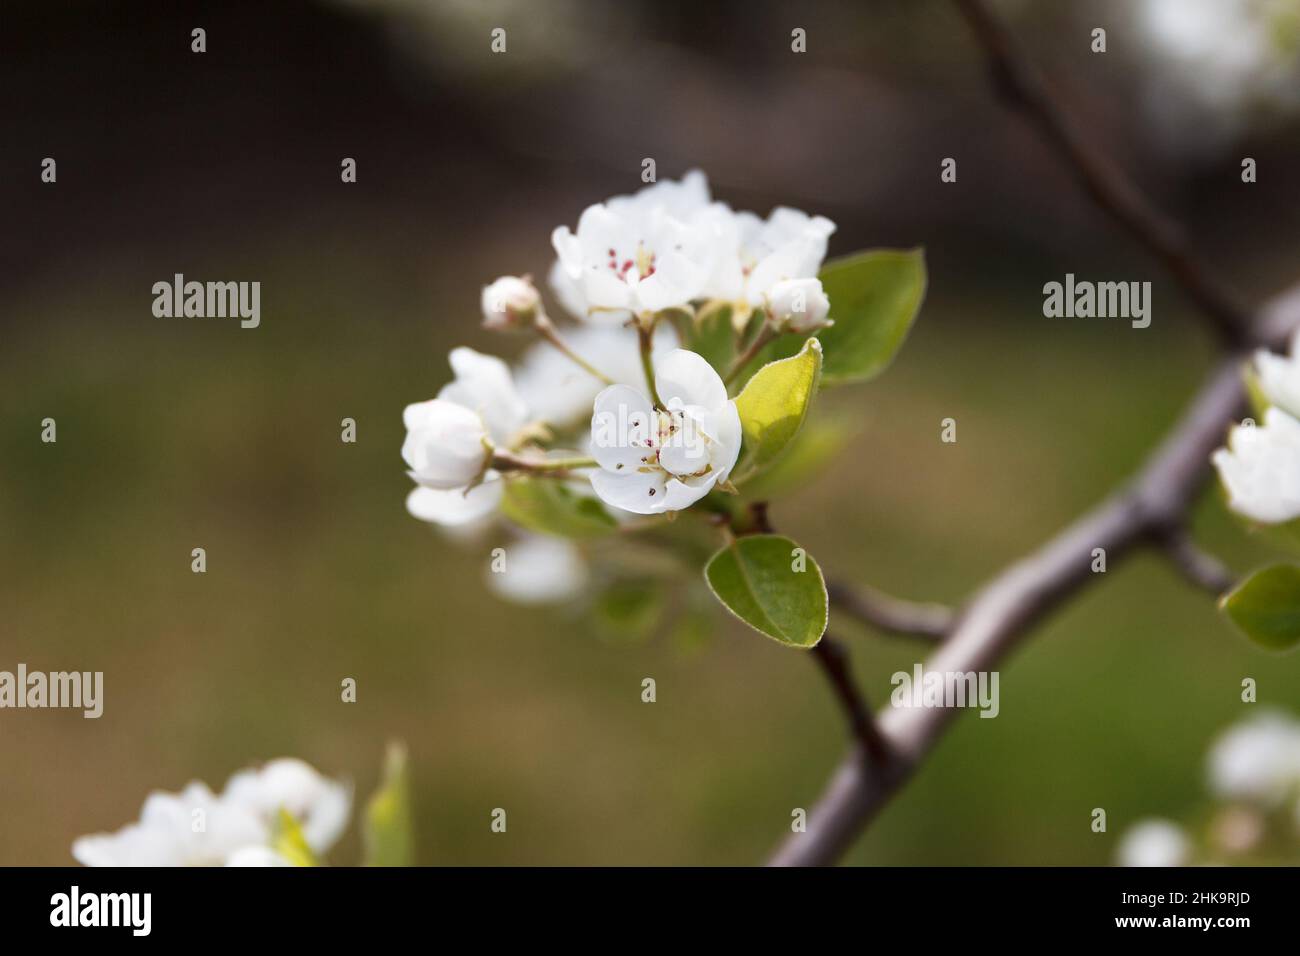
(446, 444)
(509, 302)
(799, 306)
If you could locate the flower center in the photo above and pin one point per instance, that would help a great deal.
(642, 261)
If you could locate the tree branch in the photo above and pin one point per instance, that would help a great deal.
(1022, 84)
(1153, 502)
(831, 655)
(1201, 569)
(887, 613)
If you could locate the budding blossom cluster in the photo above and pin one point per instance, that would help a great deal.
(236, 827)
(609, 403)
(1253, 772)
(1260, 468)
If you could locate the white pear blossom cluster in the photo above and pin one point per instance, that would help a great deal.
(236, 827)
(1260, 468)
(609, 404)
(1253, 771)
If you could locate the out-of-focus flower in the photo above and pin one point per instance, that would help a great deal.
(510, 302)
(560, 392)
(198, 828)
(1260, 468)
(799, 305)
(1154, 843)
(539, 570)
(1219, 64)
(1279, 377)
(318, 804)
(483, 385)
(654, 460)
(1257, 760)
(760, 253)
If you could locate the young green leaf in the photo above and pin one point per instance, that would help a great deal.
(1266, 606)
(775, 402)
(549, 506)
(874, 297)
(386, 828)
(772, 585)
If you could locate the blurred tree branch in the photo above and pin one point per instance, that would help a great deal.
(1150, 509)
(1023, 86)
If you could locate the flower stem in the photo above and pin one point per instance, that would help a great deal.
(765, 334)
(547, 330)
(506, 461)
(646, 336)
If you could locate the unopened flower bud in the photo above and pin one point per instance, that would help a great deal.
(799, 306)
(446, 444)
(510, 302)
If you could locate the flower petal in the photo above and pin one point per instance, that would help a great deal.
(623, 429)
(690, 380)
(455, 506)
(640, 492)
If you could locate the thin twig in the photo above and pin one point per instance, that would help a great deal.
(1202, 569)
(1023, 85)
(888, 613)
(833, 658)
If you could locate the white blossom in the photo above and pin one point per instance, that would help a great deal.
(1257, 760)
(799, 306)
(1279, 377)
(199, 828)
(448, 438)
(509, 302)
(1260, 469)
(446, 444)
(1154, 843)
(789, 244)
(539, 570)
(559, 391)
(654, 460)
(639, 254)
(320, 805)
(483, 384)
(1219, 64)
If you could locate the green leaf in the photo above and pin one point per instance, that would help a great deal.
(874, 297)
(1266, 607)
(288, 841)
(549, 506)
(386, 828)
(775, 402)
(712, 337)
(772, 585)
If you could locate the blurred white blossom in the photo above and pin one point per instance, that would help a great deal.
(539, 570)
(1154, 843)
(199, 828)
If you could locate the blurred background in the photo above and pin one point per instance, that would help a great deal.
(176, 434)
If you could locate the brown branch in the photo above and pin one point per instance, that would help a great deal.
(833, 658)
(1022, 84)
(1154, 501)
(1201, 569)
(887, 613)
